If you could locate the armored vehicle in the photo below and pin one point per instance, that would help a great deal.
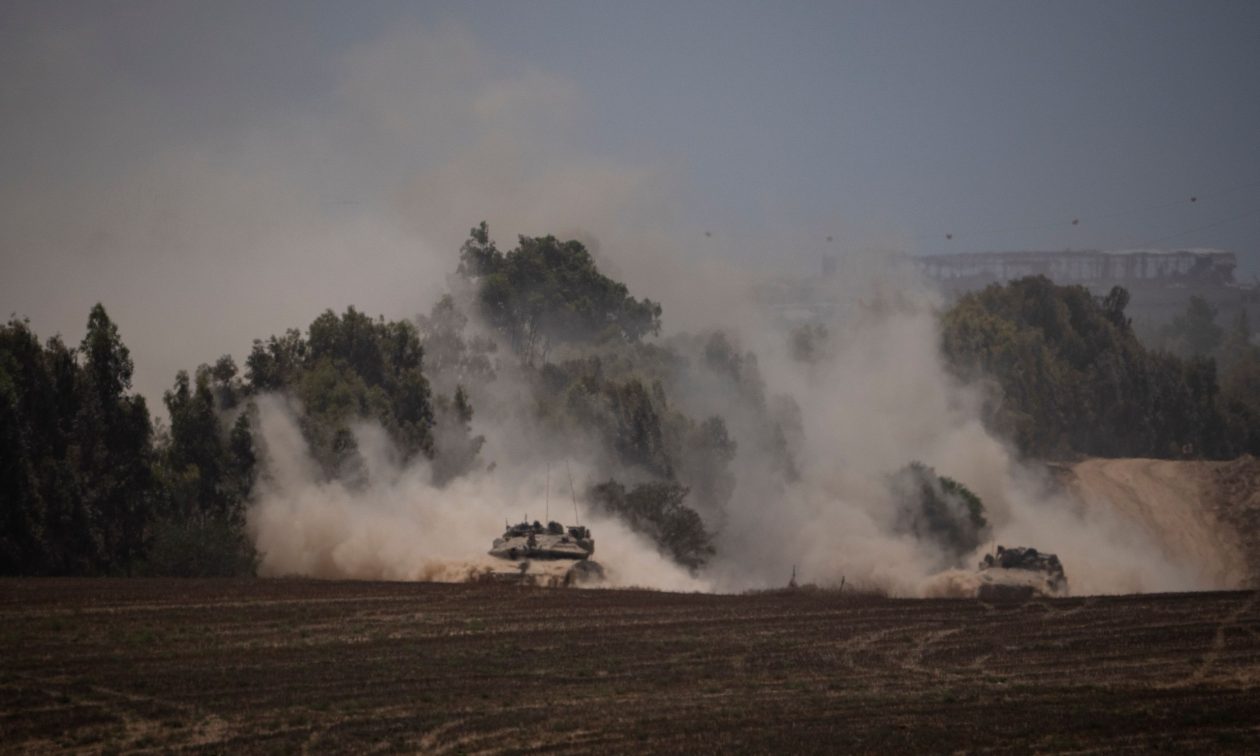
(548, 555)
(1020, 573)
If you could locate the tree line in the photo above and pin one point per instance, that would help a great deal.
(90, 484)
(1068, 376)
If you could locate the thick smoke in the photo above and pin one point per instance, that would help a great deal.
(871, 396)
(876, 397)
(400, 527)
(204, 226)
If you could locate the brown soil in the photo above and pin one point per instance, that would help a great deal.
(288, 665)
(1203, 513)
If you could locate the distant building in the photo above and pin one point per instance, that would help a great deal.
(1128, 268)
(1159, 282)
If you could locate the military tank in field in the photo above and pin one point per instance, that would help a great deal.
(550, 554)
(1020, 573)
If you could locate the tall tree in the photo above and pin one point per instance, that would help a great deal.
(657, 511)
(547, 292)
(1194, 332)
(114, 437)
(1071, 377)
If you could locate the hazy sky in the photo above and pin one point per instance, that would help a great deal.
(217, 171)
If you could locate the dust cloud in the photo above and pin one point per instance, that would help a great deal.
(878, 397)
(400, 527)
(875, 396)
(281, 202)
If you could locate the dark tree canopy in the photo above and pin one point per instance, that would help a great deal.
(939, 511)
(657, 511)
(347, 367)
(84, 489)
(1194, 332)
(547, 292)
(1072, 378)
(76, 475)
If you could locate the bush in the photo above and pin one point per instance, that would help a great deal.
(657, 511)
(938, 510)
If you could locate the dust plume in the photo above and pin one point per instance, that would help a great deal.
(873, 397)
(398, 526)
(817, 438)
(204, 226)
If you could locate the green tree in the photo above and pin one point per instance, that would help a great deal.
(547, 292)
(24, 397)
(1237, 345)
(456, 447)
(740, 369)
(346, 368)
(938, 510)
(69, 545)
(114, 438)
(1240, 387)
(1113, 306)
(657, 511)
(276, 363)
(1069, 375)
(215, 463)
(705, 463)
(453, 359)
(622, 413)
(77, 490)
(479, 256)
(1194, 333)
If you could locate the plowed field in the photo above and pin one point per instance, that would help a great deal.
(285, 666)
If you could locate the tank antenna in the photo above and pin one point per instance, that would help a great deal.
(572, 493)
(548, 491)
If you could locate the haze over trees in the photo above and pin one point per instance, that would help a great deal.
(1068, 375)
(88, 488)
(939, 510)
(539, 337)
(1194, 332)
(547, 292)
(609, 385)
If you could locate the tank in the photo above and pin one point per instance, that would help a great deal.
(1020, 573)
(552, 555)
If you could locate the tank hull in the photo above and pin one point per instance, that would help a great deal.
(997, 584)
(549, 573)
(1020, 573)
(550, 555)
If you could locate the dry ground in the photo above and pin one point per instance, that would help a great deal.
(1201, 513)
(288, 665)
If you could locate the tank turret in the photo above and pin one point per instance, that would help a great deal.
(550, 554)
(1020, 573)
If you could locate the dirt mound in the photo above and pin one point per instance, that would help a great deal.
(1237, 504)
(1201, 513)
